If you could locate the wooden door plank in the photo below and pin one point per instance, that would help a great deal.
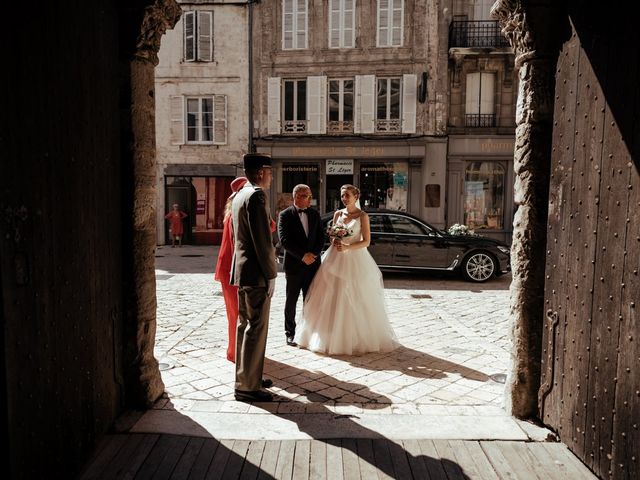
(161, 456)
(301, 459)
(448, 460)
(175, 445)
(251, 467)
(500, 464)
(382, 458)
(269, 460)
(399, 460)
(563, 458)
(236, 459)
(284, 467)
(138, 457)
(188, 458)
(107, 449)
(318, 460)
(415, 458)
(366, 459)
(521, 460)
(334, 460)
(431, 460)
(549, 467)
(350, 461)
(472, 460)
(220, 459)
(203, 460)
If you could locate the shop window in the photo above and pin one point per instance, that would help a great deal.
(295, 174)
(484, 195)
(384, 185)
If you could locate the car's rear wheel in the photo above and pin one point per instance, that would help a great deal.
(478, 267)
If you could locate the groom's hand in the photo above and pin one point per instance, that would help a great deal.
(308, 258)
(271, 287)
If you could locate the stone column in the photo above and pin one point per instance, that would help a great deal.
(143, 382)
(536, 30)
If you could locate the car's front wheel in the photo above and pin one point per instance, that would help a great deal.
(478, 267)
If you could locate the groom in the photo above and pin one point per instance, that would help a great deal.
(302, 237)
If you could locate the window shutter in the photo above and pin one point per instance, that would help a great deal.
(383, 23)
(189, 37)
(349, 23)
(220, 119)
(205, 36)
(473, 94)
(176, 109)
(486, 94)
(397, 23)
(287, 24)
(365, 104)
(317, 105)
(409, 97)
(273, 106)
(334, 24)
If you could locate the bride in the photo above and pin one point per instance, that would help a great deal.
(344, 311)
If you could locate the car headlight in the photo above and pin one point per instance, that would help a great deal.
(504, 249)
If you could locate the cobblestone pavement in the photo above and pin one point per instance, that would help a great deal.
(454, 354)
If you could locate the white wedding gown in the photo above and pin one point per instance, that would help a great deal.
(344, 312)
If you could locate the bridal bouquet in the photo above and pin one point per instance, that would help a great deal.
(339, 231)
(459, 229)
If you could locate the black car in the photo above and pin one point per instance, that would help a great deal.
(401, 242)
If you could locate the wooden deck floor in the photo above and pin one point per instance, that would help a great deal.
(162, 456)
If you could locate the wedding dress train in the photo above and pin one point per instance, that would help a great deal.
(344, 311)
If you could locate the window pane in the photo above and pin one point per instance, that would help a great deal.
(395, 98)
(348, 107)
(334, 104)
(302, 100)
(288, 100)
(404, 225)
(382, 98)
(384, 185)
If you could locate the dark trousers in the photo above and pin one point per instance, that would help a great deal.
(296, 283)
(251, 341)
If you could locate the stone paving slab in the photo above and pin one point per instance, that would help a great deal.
(451, 365)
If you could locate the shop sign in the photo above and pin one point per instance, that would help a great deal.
(200, 207)
(340, 167)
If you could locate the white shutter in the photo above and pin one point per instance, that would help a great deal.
(473, 94)
(487, 93)
(287, 24)
(205, 36)
(189, 36)
(365, 104)
(176, 110)
(349, 23)
(382, 39)
(334, 23)
(409, 98)
(317, 105)
(397, 23)
(220, 119)
(273, 106)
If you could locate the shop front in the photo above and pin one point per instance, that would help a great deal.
(382, 172)
(480, 185)
(201, 191)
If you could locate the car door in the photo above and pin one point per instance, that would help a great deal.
(416, 245)
(382, 238)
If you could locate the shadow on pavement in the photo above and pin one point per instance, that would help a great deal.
(442, 281)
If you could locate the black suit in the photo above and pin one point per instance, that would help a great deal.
(296, 243)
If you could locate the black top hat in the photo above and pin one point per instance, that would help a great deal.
(256, 161)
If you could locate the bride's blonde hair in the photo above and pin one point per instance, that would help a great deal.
(352, 188)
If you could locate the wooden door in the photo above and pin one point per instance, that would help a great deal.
(591, 360)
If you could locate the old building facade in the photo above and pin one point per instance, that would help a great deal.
(202, 115)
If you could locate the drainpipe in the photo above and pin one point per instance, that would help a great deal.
(251, 146)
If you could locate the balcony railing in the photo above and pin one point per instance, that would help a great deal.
(471, 33)
(388, 126)
(334, 126)
(294, 126)
(478, 121)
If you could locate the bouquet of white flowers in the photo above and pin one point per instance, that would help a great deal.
(339, 231)
(459, 229)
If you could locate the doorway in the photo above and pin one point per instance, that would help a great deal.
(334, 182)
